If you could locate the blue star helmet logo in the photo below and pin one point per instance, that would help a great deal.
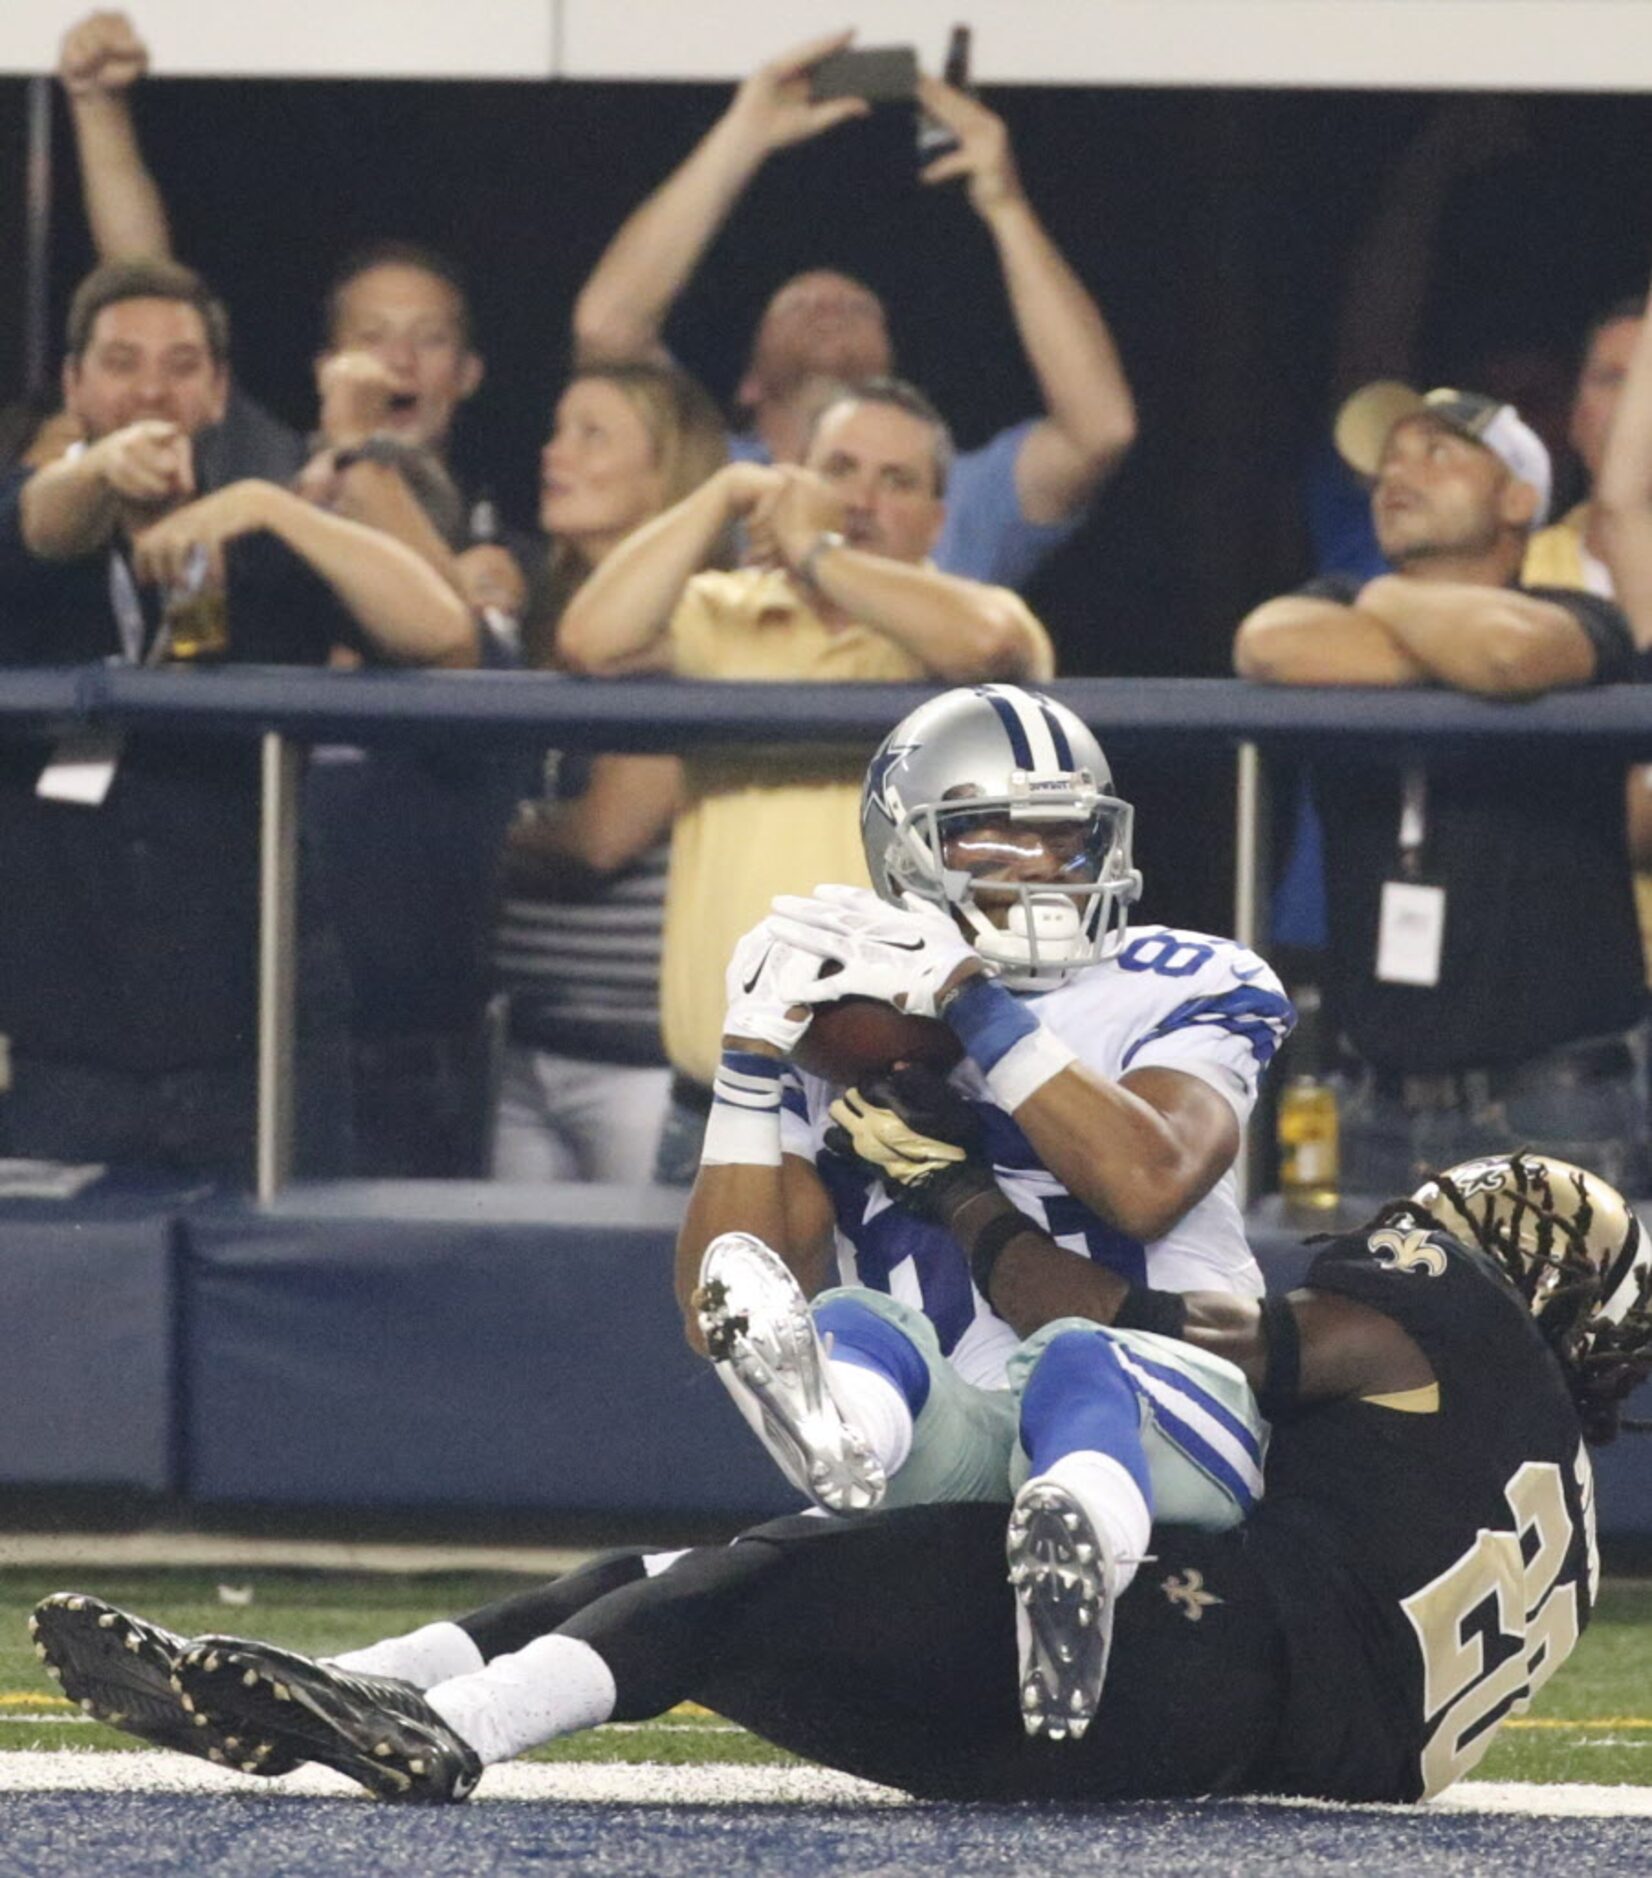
(877, 774)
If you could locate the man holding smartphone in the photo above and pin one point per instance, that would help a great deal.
(1011, 502)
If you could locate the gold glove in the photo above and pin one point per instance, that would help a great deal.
(889, 1142)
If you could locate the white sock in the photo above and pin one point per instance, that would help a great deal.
(423, 1657)
(875, 1409)
(551, 1687)
(1108, 1493)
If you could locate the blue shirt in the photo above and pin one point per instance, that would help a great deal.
(985, 535)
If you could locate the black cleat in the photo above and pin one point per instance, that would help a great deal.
(375, 1729)
(121, 1670)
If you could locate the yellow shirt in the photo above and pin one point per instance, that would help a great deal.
(1558, 556)
(759, 821)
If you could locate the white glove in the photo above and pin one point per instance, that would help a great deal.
(766, 980)
(902, 955)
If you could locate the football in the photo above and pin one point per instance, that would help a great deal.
(853, 1037)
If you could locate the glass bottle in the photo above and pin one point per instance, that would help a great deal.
(1306, 1123)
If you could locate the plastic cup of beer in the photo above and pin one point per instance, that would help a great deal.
(197, 614)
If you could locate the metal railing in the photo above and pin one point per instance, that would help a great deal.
(287, 708)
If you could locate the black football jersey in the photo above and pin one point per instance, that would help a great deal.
(1432, 1557)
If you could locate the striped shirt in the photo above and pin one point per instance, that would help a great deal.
(583, 971)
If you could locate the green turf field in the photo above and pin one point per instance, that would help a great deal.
(1592, 1723)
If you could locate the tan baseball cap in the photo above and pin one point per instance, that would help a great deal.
(1364, 424)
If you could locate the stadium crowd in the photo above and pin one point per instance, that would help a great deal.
(522, 973)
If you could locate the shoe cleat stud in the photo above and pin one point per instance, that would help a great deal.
(187, 1703)
(249, 1679)
(1086, 1615)
(281, 1692)
(1084, 1553)
(40, 1651)
(381, 1748)
(249, 1767)
(1055, 1731)
(76, 1604)
(217, 1755)
(416, 1767)
(107, 1621)
(54, 1672)
(115, 1717)
(88, 1706)
(211, 1660)
(1070, 1521)
(134, 1644)
(200, 1721)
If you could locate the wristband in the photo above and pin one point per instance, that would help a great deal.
(1162, 1312)
(743, 1128)
(987, 1020)
(1014, 1051)
(989, 1246)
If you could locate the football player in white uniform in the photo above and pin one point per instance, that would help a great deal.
(1105, 1081)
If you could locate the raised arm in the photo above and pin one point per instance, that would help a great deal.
(1090, 417)
(101, 59)
(622, 309)
(400, 603)
(1623, 493)
(618, 619)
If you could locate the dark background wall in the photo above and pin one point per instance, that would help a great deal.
(1214, 227)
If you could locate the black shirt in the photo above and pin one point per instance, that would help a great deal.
(128, 931)
(1430, 1568)
(1541, 944)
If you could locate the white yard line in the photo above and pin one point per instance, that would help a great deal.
(208, 1551)
(69, 1770)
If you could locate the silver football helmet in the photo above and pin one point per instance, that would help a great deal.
(994, 800)
(1569, 1241)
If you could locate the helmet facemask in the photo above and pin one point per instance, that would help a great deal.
(962, 855)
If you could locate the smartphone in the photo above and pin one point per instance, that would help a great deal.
(879, 74)
(934, 139)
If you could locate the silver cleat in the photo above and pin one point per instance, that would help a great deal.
(763, 1344)
(1065, 1584)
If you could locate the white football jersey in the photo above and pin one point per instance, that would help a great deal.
(1166, 1000)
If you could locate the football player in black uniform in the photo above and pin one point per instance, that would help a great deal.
(1423, 1561)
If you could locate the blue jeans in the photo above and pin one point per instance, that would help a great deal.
(1390, 1145)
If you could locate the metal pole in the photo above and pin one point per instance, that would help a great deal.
(1250, 913)
(277, 930)
(37, 238)
(1250, 923)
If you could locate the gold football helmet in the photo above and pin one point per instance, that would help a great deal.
(1569, 1241)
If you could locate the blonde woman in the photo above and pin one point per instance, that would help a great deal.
(585, 1083)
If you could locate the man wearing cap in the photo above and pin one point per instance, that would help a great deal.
(1485, 964)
